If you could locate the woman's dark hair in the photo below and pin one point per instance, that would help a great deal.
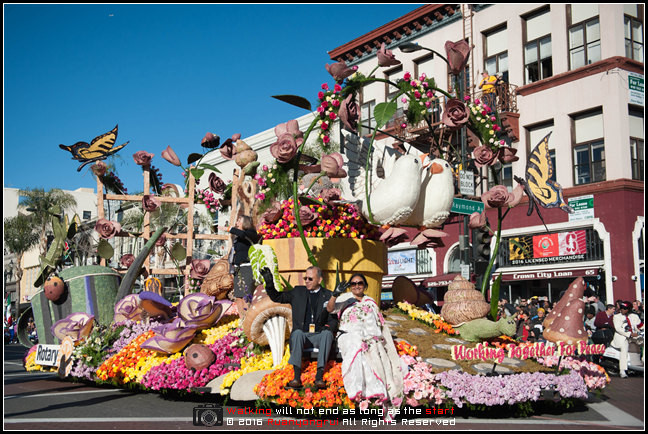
(362, 276)
(246, 222)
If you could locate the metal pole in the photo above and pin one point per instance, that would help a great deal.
(464, 251)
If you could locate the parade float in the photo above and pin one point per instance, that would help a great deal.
(312, 206)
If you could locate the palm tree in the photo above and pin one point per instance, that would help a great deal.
(38, 202)
(19, 237)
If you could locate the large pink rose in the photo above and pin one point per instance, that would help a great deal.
(199, 268)
(150, 202)
(349, 114)
(386, 57)
(339, 70)
(216, 184)
(484, 156)
(457, 54)
(477, 220)
(285, 148)
(170, 155)
(506, 154)
(332, 165)
(273, 213)
(107, 229)
(455, 114)
(497, 197)
(307, 216)
(143, 158)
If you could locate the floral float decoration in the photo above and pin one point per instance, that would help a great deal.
(76, 325)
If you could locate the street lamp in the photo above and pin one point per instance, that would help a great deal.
(410, 47)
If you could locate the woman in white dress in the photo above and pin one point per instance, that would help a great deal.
(371, 368)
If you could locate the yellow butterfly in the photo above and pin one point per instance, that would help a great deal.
(538, 184)
(99, 149)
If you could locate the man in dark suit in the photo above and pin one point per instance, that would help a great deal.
(312, 325)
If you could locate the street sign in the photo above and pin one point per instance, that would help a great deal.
(466, 183)
(583, 207)
(465, 206)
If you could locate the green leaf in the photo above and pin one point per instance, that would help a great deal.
(178, 252)
(193, 157)
(295, 100)
(495, 290)
(384, 112)
(209, 166)
(105, 250)
(197, 173)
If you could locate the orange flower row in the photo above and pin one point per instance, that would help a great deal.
(128, 357)
(273, 387)
(404, 348)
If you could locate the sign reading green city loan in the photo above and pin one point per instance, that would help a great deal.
(465, 206)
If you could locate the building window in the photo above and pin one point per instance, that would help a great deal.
(637, 144)
(634, 32)
(496, 52)
(502, 174)
(87, 215)
(424, 65)
(584, 35)
(589, 148)
(367, 115)
(535, 134)
(537, 48)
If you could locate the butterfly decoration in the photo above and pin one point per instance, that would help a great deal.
(538, 185)
(100, 148)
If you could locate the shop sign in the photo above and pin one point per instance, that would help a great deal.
(636, 88)
(548, 248)
(550, 274)
(465, 206)
(583, 207)
(401, 262)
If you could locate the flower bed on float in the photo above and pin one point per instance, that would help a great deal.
(122, 362)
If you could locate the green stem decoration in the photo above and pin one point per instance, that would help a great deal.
(498, 236)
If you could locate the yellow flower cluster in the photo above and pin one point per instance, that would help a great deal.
(260, 362)
(211, 335)
(419, 314)
(145, 364)
(31, 366)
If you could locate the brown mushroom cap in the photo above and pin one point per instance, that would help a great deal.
(574, 292)
(261, 309)
(568, 325)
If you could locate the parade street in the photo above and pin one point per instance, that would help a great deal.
(39, 400)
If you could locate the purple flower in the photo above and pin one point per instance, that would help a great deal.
(127, 309)
(76, 325)
(201, 310)
(154, 304)
(171, 337)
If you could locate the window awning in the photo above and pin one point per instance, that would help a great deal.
(440, 280)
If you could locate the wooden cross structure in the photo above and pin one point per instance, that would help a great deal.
(189, 236)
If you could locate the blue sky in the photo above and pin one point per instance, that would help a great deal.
(167, 74)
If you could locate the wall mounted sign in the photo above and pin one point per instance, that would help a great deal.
(401, 262)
